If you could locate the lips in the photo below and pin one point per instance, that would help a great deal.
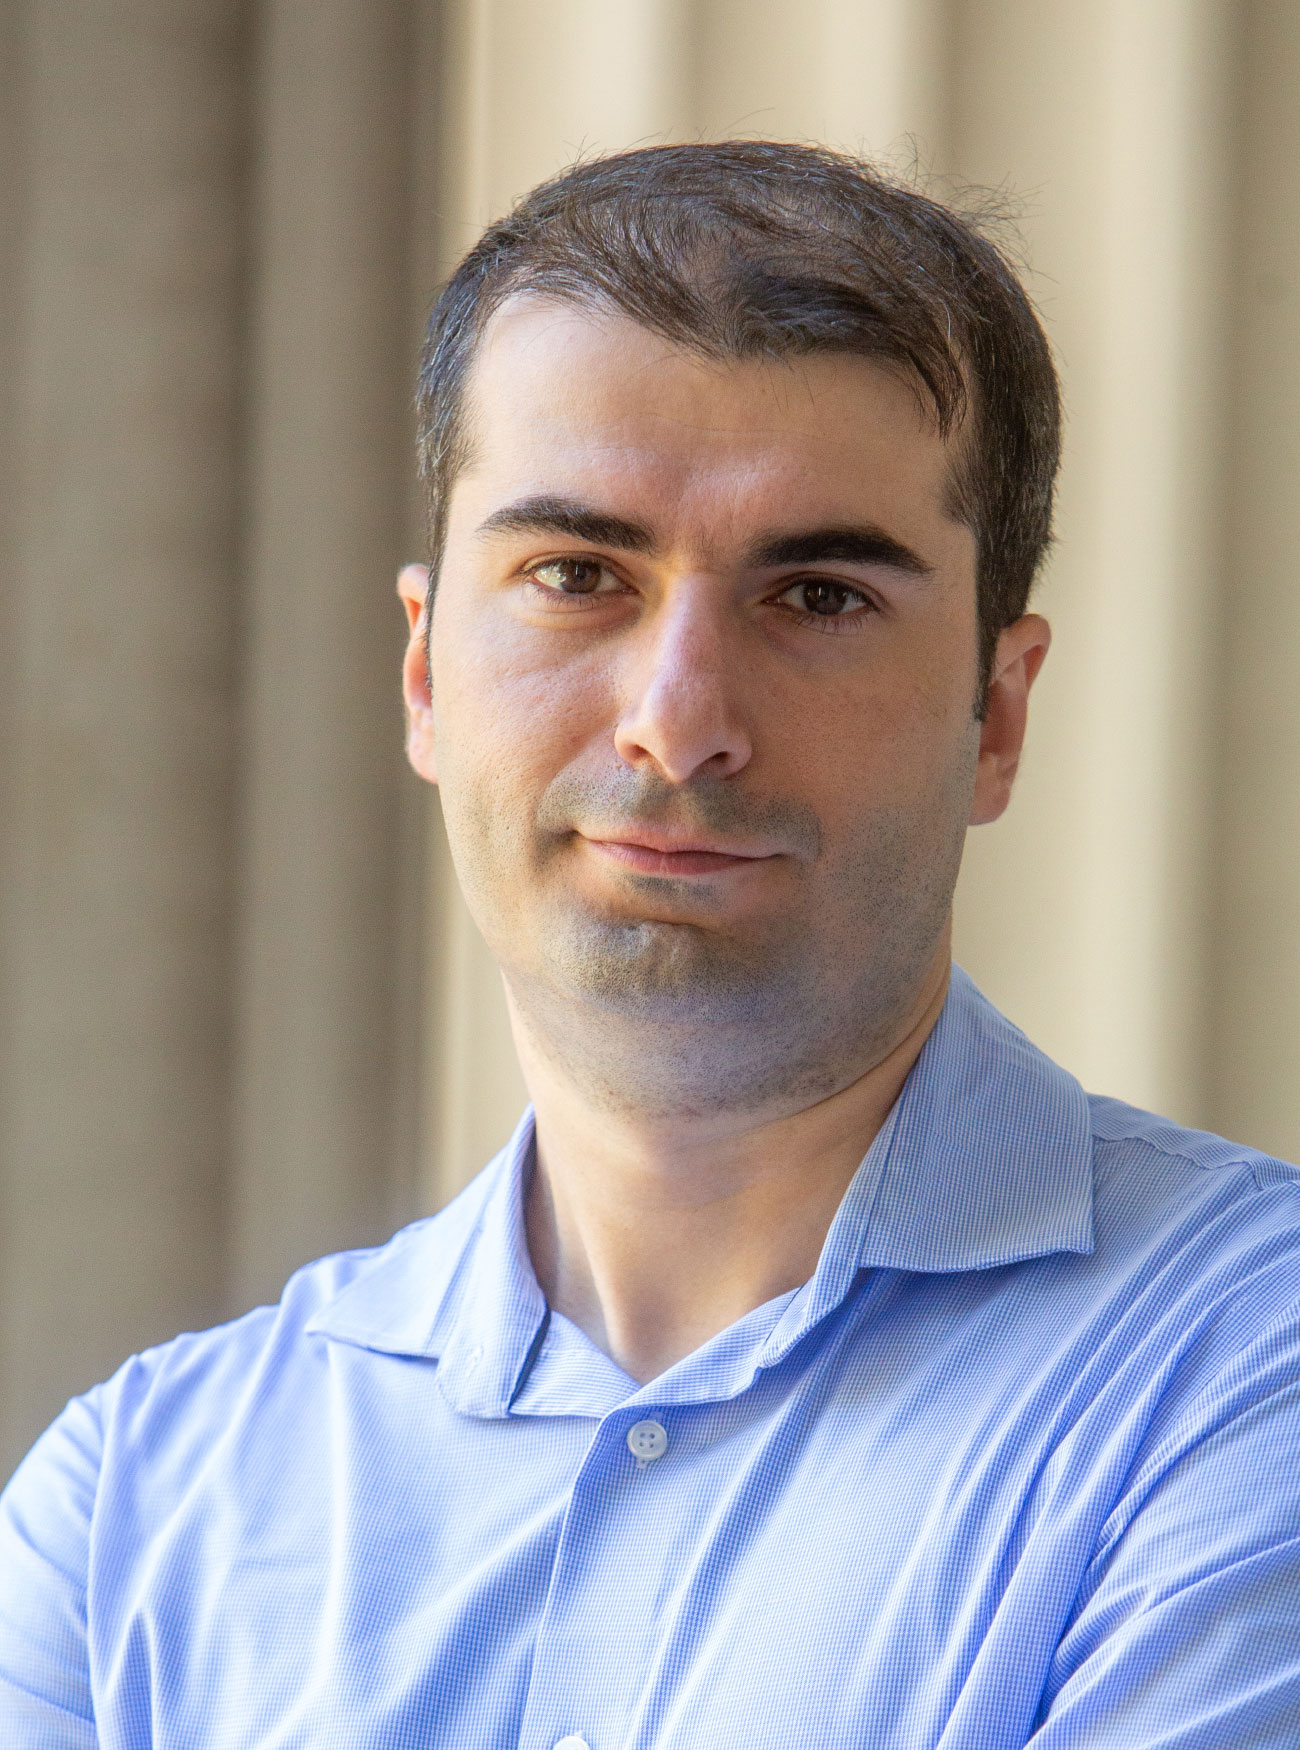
(653, 855)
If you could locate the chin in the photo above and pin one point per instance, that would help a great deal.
(673, 972)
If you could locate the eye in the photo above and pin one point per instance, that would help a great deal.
(573, 577)
(825, 598)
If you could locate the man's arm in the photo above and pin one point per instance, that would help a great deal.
(1188, 1632)
(45, 1514)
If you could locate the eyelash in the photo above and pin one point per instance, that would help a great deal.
(834, 625)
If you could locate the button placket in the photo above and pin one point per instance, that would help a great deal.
(593, 1535)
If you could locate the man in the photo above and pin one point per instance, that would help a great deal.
(819, 1366)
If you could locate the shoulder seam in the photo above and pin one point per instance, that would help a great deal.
(1240, 1158)
(1245, 1158)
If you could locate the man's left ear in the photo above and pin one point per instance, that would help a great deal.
(413, 588)
(1020, 651)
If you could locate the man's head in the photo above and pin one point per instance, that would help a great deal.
(715, 692)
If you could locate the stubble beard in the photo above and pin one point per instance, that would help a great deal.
(685, 1019)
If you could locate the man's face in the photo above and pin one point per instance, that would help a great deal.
(704, 664)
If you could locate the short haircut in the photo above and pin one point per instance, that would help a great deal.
(757, 249)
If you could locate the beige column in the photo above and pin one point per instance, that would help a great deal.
(12, 96)
(1084, 913)
(532, 87)
(118, 679)
(863, 75)
(1255, 1062)
(525, 90)
(316, 1055)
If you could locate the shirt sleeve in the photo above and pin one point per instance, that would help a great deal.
(45, 1519)
(1187, 1636)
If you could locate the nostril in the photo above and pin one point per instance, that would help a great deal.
(683, 731)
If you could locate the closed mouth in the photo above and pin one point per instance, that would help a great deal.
(653, 854)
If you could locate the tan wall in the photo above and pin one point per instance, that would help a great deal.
(243, 1016)
(118, 858)
(211, 852)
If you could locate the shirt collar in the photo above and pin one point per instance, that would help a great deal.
(985, 1160)
(457, 1287)
(990, 1157)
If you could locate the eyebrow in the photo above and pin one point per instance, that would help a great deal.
(863, 544)
(866, 545)
(546, 515)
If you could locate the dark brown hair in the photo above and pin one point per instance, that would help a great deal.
(752, 248)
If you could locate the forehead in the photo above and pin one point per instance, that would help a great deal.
(566, 399)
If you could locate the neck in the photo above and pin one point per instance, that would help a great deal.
(653, 1234)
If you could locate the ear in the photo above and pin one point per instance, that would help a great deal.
(413, 588)
(1019, 655)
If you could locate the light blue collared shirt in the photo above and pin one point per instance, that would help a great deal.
(1019, 1464)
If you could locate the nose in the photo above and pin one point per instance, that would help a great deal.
(682, 711)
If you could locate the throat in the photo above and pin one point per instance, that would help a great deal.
(653, 1232)
(650, 1288)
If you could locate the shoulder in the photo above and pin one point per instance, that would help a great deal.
(386, 1296)
(181, 1440)
(1135, 1149)
(167, 1405)
(1200, 1237)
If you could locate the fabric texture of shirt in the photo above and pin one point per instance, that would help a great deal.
(1019, 1464)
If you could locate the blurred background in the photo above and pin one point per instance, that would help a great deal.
(243, 1017)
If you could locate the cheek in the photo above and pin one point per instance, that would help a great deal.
(506, 721)
(889, 738)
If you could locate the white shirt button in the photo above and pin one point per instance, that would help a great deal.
(647, 1440)
(572, 1742)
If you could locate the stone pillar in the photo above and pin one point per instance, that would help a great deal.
(1084, 913)
(119, 622)
(1255, 1065)
(330, 452)
(864, 75)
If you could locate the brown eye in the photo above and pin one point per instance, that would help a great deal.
(570, 576)
(825, 597)
(829, 598)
